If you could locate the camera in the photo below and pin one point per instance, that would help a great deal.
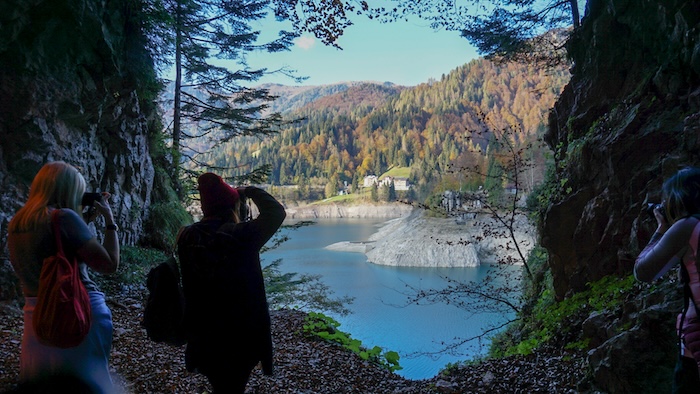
(653, 206)
(244, 211)
(89, 198)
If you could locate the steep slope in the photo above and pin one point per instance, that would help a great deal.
(292, 98)
(303, 364)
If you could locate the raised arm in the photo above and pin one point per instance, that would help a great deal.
(665, 249)
(272, 213)
(103, 258)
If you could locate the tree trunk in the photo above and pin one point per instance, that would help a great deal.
(176, 102)
(575, 17)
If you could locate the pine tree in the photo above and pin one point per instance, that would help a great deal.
(374, 193)
(391, 193)
(210, 99)
(493, 183)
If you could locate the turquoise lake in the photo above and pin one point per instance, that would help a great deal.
(380, 314)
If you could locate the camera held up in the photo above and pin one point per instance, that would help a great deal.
(90, 198)
(653, 206)
(244, 212)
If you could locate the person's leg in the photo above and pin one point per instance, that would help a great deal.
(229, 378)
(685, 377)
(88, 361)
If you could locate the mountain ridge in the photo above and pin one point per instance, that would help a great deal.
(290, 98)
(348, 131)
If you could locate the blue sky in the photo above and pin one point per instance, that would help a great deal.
(405, 53)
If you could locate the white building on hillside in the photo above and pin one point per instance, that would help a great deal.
(401, 184)
(370, 180)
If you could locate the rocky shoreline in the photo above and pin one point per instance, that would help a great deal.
(416, 240)
(340, 211)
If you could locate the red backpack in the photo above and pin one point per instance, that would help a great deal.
(62, 314)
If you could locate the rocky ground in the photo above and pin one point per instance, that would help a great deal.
(304, 365)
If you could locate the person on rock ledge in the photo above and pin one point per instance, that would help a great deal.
(675, 242)
(227, 320)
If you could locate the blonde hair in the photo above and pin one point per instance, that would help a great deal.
(682, 194)
(57, 184)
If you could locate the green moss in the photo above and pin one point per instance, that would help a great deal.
(550, 319)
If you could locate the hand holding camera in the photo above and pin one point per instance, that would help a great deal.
(658, 212)
(90, 198)
(244, 211)
(97, 203)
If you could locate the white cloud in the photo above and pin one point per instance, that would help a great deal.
(305, 42)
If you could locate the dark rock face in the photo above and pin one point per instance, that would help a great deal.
(68, 92)
(635, 351)
(629, 118)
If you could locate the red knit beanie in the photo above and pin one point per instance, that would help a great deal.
(215, 194)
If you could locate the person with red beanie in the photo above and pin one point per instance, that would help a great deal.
(227, 319)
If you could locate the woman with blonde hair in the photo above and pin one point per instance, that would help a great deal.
(674, 243)
(59, 186)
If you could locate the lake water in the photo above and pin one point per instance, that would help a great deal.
(380, 316)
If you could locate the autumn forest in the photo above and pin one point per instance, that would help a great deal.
(440, 130)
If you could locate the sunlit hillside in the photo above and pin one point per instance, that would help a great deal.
(369, 128)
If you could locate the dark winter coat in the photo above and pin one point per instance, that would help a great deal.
(226, 310)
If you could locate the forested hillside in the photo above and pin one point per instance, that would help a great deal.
(369, 128)
(292, 98)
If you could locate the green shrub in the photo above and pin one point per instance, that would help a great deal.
(326, 328)
(550, 319)
(163, 223)
(134, 264)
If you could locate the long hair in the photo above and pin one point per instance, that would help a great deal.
(57, 184)
(682, 193)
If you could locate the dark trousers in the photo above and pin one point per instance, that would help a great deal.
(686, 379)
(230, 378)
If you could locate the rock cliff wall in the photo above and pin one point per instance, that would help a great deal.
(628, 119)
(69, 91)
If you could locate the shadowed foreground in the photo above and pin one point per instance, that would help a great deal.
(303, 364)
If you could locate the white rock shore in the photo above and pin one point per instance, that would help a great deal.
(419, 241)
(325, 211)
